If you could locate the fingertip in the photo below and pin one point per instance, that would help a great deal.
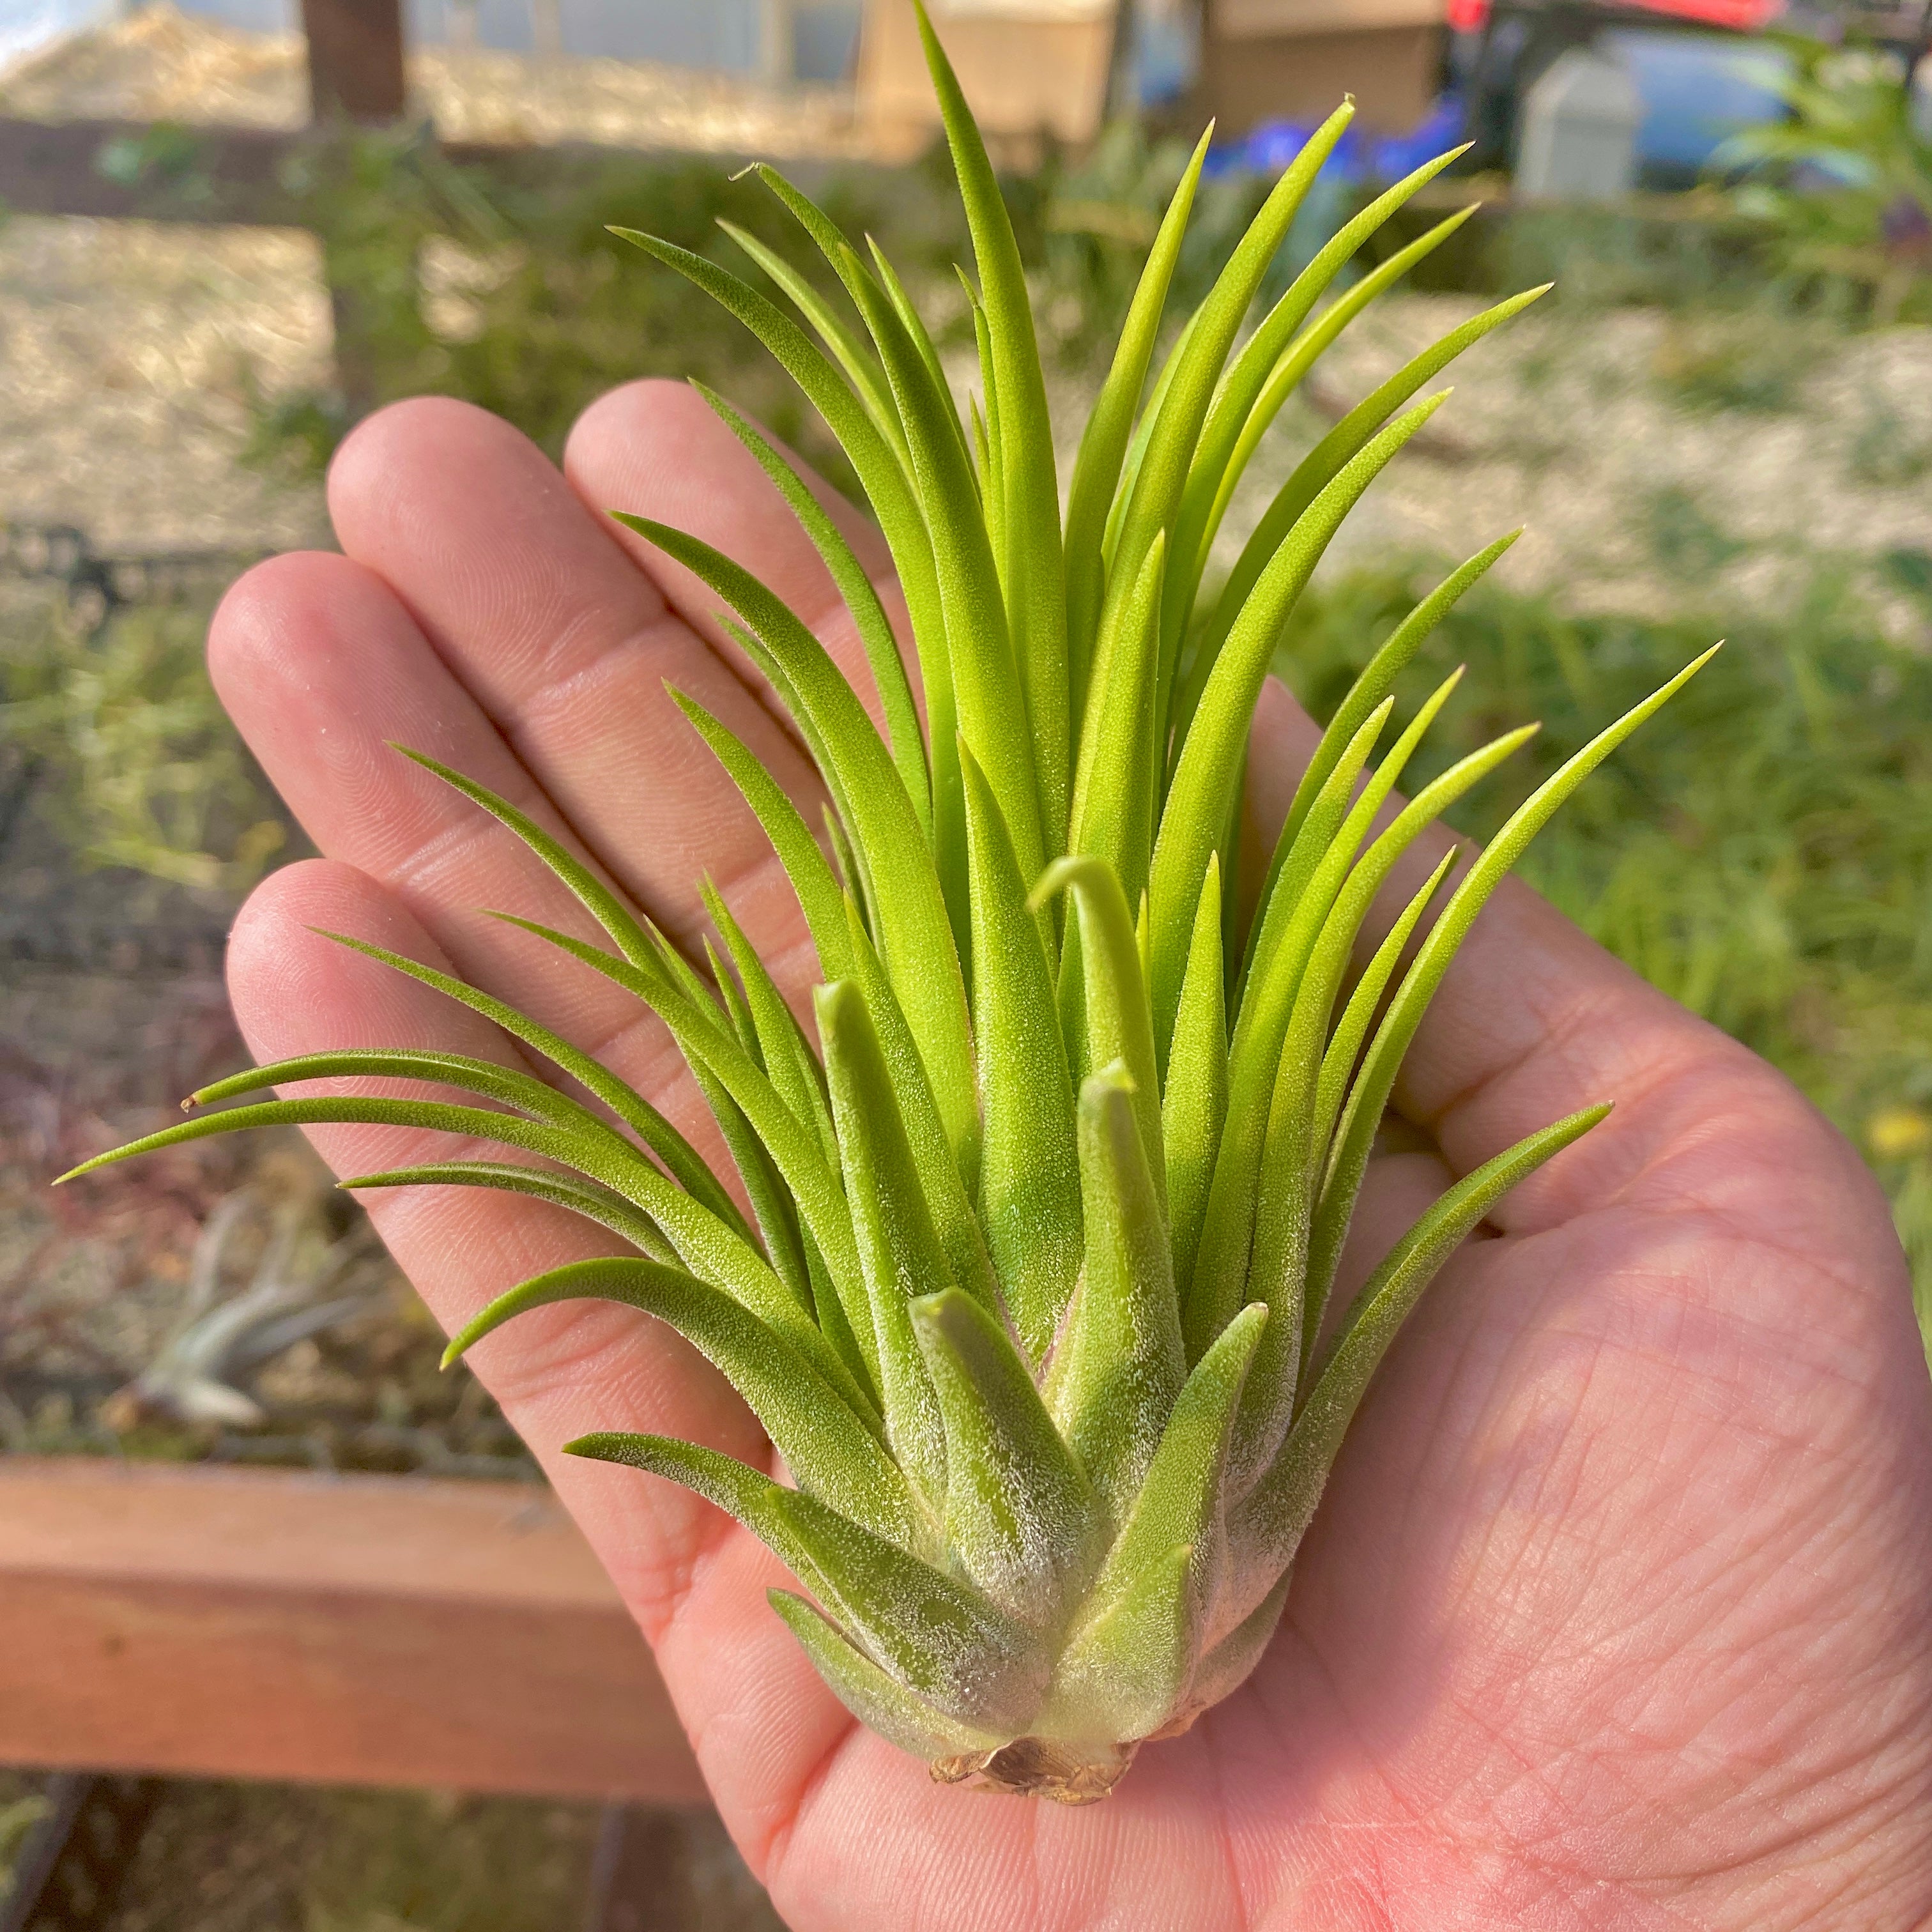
(653, 412)
(656, 447)
(259, 617)
(282, 947)
(373, 460)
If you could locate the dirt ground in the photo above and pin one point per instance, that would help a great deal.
(220, 1857)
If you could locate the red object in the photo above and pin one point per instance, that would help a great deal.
(1743, 16)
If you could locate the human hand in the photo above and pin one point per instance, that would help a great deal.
(1618, 1610)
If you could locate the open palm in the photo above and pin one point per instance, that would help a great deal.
(1617, 1611)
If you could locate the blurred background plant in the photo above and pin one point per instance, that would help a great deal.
(1843, 186)
(115, 738)
(514, 295)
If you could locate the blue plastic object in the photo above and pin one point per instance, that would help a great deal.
(1698, 90)
(1269, 147)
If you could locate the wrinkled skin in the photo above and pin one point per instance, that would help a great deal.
(1618, 1610)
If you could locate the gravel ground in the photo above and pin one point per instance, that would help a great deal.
(128, 350)
(161, 65)
(1613, 436)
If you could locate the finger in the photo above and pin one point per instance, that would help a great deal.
(696, 1583)
(566, 646)
(324, 672)
(561, 1369)
(658, 450)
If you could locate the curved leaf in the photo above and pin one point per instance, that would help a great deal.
(1020, 1518)
(1208, 777)
(594, 1202)
(1029, 1195)
(831, 1455)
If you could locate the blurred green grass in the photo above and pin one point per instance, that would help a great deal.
(115, 740)
(256, 1858)
(1762, 850)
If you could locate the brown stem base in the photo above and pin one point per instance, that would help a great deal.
(1037, 1768)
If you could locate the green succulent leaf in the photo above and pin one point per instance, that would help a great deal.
(1378, 675)
(1116, 787)
(1133, 1655)
(1374, 1083)
(941, 1180)
(1030, 492)
(1201, 801)
(868, 615)
(889, 489)
(782, 1049)
(1020, 1516)
(898, 1248)
(595, 1202)
(1029, 1172)
(1103, 444)
(1329, 458)
(1224, 1277)
(1117, 1018)
(680, 1158)
(877, 1700)
(820, 897)
(1153, 501)
(1273, 1516)
(1344, 1043)
(711, 1048)
(936, 1637)
(1302, 353)
(860, 366)
(916, 938)
(1119, 1364)
(824, 1445)
(1194, 1109)
(1240, 390)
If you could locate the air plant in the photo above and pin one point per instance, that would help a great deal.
(1031, 1287)
(200, 1372)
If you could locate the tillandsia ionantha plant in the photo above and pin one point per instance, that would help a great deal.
(1033, 1295)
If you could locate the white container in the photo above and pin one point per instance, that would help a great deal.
(1579, 126)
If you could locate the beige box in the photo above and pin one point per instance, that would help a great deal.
(1270, 60)
(1027, 67)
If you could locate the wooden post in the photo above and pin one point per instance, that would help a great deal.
(547, 29)
(777, 56)
(356, 73)
(355, 59)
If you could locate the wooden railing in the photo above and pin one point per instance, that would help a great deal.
(344, 1629)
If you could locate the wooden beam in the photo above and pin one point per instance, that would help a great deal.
(369, 1629)
(355, 70)
(134, 170)
(114, 169)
